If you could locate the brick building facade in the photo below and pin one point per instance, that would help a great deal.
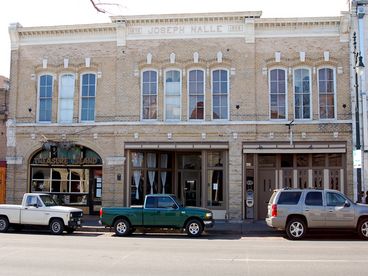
(218, 109)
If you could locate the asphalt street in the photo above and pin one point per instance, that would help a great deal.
(86, 253)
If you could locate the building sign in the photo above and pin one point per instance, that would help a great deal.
(170, 31)
(66, 161)
(59, 156)
(357, 159)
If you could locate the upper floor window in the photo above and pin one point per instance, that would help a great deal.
(326, 91)
(277, 88)
(220, 94)
(66, 98)
(88, 97)
(172, 95)
(302, 94)
(196, 94)
(149, 95)
(45, 89)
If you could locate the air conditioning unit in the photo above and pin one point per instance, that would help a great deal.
(360, 11)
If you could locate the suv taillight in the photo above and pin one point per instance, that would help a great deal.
(274, 210)
(100, 212)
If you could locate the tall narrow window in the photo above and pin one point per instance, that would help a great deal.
(88, 97)
(278, 93)
(326, 89)
(172, 95)
(196, 94)
(149, 95)
(66, 99)
(220, 93)
(302, 94)
(45, 98)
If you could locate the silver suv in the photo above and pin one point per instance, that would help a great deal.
(297, 210)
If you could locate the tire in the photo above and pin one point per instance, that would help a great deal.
(296, 229)
(56, 226)
(363, 229)
(194, 228)
(122, 228)
(4, 224)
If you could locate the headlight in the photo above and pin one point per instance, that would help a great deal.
(208, 215)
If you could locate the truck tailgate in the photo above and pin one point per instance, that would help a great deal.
(11, 211)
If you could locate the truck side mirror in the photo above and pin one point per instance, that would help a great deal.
(35, 205)
(346, 204)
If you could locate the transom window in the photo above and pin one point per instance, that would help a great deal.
(172, 95)
(220, 93)
(302, 94)
(66, 100)
(278, 94)
(326, 89)
(196, 94)
(88, 97)
(45, 98)
(149, 95)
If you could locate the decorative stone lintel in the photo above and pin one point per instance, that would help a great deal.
(115, 160)
(14, 160)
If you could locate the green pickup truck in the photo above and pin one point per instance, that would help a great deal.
(159, 211)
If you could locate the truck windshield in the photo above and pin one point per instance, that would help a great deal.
(48, 200)
(178, 202)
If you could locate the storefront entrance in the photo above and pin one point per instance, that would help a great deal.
(2, 181)
(266, 185)
(72, 174)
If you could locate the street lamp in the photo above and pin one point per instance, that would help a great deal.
(359, 69)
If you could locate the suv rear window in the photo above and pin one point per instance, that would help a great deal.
(289, 198)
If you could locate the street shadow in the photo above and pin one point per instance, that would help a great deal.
(46, 232)
(180, 235)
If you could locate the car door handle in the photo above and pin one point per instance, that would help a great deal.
(306, 210)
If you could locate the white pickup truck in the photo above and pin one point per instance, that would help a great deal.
(41, 210)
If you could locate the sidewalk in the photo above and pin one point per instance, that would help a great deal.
(221, 227)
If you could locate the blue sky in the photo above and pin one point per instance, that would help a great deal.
(64, 12)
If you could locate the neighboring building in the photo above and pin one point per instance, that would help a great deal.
(4, 100)
(217, 108)
(359, 22)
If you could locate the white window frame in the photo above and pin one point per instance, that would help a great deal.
(228, 93)
(81, 97)
(335, 92)
(204, 94)
(38, 96)
(286, 93)
(181, 93)
(157, 79)
(59, 98)
(310, 93)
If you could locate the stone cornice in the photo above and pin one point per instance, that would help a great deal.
(186, 18)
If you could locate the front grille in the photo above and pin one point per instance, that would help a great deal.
(76, 214)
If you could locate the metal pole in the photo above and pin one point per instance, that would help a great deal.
(357, 119)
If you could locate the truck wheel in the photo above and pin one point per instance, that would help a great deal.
(4, 224)
(194, 228)
(56, 226)
(296, 229)
(122, 227)
(363, 229)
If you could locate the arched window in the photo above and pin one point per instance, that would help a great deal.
(326, 92)
(196, 94)
(302, 93)
(88, 97)
(66, 98)
(278, 93)
(45, 91)
(149, 95)
(220, 94)
(172, 95)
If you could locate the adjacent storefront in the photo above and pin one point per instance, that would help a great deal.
(197, 177)
(71, 173)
